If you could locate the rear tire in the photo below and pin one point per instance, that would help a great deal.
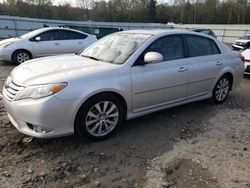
(21, 56)
(99, 117)
(221, 90)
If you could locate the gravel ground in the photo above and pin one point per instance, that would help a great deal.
(195, 145)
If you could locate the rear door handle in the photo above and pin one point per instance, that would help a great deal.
(219, 63)
(182, 69)
(57, 44)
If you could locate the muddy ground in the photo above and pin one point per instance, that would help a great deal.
(196, 145)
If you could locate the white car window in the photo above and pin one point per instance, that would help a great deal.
(50, 35)
(200, 46)
(71, 35)
(170, 47)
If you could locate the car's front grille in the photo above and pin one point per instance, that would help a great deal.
(12, 89)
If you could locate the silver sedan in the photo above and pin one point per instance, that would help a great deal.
(122, 76)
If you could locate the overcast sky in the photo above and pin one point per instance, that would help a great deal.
(73, 2)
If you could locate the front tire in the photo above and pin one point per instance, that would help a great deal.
(221, 90)
(21, 56)
(99, 117)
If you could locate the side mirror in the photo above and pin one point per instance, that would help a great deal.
(153, 57)
(37, 39)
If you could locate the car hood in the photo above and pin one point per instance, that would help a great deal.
(57, 69)
(242, 41)
(8, 40)
(246, 54)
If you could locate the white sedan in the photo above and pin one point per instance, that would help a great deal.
(44, 42)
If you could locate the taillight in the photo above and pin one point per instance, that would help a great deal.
(242, 58)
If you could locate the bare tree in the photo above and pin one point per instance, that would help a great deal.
(86, 4)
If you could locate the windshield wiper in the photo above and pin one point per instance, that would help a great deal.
(90, 57)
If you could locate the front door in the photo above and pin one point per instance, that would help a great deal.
(50, 44)
(159, 84)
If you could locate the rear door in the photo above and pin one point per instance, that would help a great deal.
(73, 42)
(206, 61)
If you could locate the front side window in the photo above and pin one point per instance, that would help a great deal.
(170, 47)
(115, 48)
(201, 46)
(50, 35)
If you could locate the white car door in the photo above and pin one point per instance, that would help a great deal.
(50, 43)
(155, 85)
(206, 61)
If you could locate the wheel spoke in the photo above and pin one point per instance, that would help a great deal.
(219, 86)
(97, 106)
(88, 123)
(220, 96)
(94, 128)
(91, 114)
(105, 106)
(110, 122)
(111, 109)
(100, 129)
(113, 115)
(106, 127)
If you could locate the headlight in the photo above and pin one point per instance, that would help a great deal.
(40, 91)
(5, 45)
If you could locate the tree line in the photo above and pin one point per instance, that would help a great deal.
(177, 11)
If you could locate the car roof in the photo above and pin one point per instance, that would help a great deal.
(199, 29)
(164, 31)
(60, 28)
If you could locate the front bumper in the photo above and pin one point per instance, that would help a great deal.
(5, 54)
(51, 113)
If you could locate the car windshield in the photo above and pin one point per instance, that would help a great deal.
(30, 34)
(115, 48)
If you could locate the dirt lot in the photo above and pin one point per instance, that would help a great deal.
(196, 145)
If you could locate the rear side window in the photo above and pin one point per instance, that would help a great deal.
(71, 35)
(201, 46)
(171, 47)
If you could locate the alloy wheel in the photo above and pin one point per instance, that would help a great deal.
(22, 57)
(222, 89)
(102, 118)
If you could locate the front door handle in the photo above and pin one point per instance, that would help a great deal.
(182, 69)
(57, 44)
(219, 63)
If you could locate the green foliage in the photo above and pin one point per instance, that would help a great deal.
(178, 11)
